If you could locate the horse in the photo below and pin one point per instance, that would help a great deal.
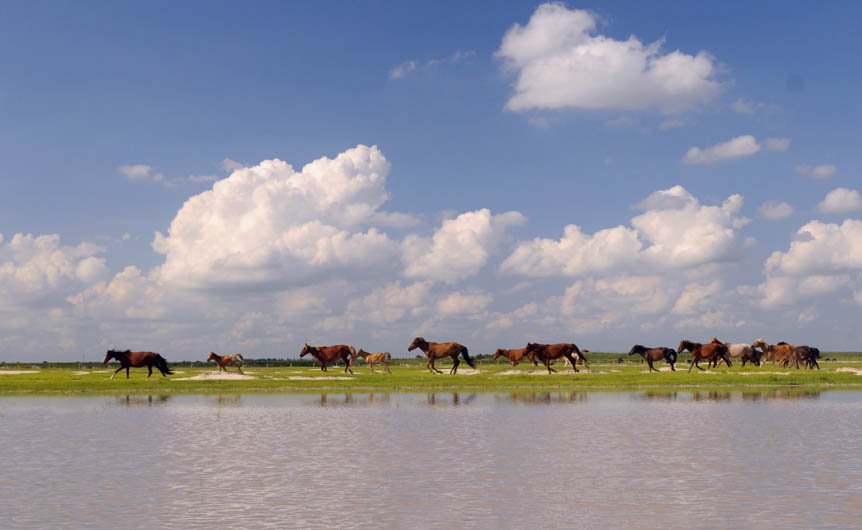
(741, 352)
(515, 356)
(439, 350)
(655, 354)
(700, 352)
(137, 359)
(330, 354)
(566, 361)
(223, 360)
(782, 352)
(808, 355)
(551, 352)
(371, 358)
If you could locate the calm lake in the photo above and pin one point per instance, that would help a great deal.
(441, 460)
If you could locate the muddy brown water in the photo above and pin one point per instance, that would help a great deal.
(442, 460)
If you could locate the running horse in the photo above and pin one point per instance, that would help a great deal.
(782, 352)
(439, 350)
(700, 352)
(137, 359)
(224, 360)
(655, 354)
(515, 356)
(330, 354)
(740, 351)
(552, 352)
(371, 358)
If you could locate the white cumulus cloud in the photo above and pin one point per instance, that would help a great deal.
(562, 62)
(841, 200)
(823, 171)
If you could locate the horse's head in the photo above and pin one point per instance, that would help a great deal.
(684, 345)
(759, 343)
(418, 342)
(362, 353)
(306, 349)
(112, 354)
(531, 346)
(212, 357)
(498, 353)
(637, 348)
(715, 341)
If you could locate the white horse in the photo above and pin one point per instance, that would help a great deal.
(742, 352)
(566, 361)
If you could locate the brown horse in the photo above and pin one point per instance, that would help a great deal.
(371, 358)
(739, 351)
(223, 360)
(137, 359)
(655, 354)
(699, 352)
(551, 352)
(515, 356)
(782, 352)
(808, 355)
(330, 354)
(439, 350)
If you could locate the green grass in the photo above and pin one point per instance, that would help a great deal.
(410, 375)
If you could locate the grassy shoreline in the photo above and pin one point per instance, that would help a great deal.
(411, 376)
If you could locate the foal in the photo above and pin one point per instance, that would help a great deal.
(223, 360)
(371, 358)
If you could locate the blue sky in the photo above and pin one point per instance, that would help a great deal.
(176, 90)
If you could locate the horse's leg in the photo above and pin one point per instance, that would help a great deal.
(115, 372)
(370, 365)
(347, 367)
(434, 368)
(322, 366)
(149, 370)
(455, 363)
(428, 365)
(387, 367)
(127, 372)
(649, 362)
(547, 362)
(572, 360)
(690, 366)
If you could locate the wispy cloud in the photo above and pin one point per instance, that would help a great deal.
(823, 171)
(739, 147)
(742, 106)
(408, 67)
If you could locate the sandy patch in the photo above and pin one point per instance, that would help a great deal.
(215, 375)
(764, 373)
(706, 372)
(856, 371)
(324, 377)
(18, 372)
(661, 369)
(80, 373)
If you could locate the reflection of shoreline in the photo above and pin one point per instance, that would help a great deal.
(456, 399)
(349, 398)
(544, 398)
(131, 400)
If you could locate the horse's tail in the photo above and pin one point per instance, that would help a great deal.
(672, 356)
(241, 358)
(467, 357)
(387, 357)
(580, 354)
(162, 365)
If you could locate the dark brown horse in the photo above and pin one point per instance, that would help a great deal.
(439, 350)
(224, 360)
(808, 355)
(515, 356)
(137, 359)
(655, 354)
(330, 354)
(552, 352)
(700, 352)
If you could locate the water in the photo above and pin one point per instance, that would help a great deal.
(550, 460)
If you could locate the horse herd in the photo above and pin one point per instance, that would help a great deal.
(713, 353)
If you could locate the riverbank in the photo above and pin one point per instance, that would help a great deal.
(411, 375)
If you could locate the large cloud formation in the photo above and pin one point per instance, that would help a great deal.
(270, 223)
(674, 231)
(561, 62)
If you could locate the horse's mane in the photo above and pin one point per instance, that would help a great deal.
(782, 343)
(119, 351)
